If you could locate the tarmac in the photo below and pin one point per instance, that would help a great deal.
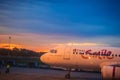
(18, 73)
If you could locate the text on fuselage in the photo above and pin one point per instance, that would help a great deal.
(101, 54)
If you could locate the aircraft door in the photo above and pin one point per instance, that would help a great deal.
(67, 53)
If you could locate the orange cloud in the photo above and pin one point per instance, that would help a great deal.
(83, 44)
(10, 46)
(41, 42)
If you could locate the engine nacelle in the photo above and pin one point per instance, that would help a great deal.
(110, 72)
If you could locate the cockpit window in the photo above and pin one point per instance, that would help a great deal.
(53, 51)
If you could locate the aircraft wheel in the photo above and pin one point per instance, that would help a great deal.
(67, 76)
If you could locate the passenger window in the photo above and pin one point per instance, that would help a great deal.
(53, 51)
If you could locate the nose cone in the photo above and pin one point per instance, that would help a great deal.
(43, 58)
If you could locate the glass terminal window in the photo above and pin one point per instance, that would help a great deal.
(53, 51)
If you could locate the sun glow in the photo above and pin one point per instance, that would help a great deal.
(82, 44)
(85, 44)
(10, 46)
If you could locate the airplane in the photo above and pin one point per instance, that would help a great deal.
(103, 59)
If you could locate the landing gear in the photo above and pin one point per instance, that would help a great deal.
(67, 76)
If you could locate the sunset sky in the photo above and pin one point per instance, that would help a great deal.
(42, 24)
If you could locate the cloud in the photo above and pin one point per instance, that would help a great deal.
(81, 44)
(43, 42)
(10, 46)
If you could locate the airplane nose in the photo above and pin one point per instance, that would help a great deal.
(43, 58)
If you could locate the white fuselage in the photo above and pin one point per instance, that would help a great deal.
(82, 57)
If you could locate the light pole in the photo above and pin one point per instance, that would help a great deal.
(9, 45)
(9, 42)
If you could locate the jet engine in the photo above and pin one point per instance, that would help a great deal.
(110, 72)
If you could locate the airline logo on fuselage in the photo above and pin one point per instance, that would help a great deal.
(100, 54)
